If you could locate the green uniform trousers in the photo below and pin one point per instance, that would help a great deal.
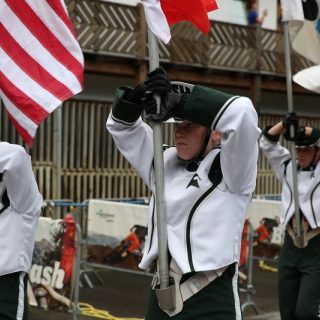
(13, 296)
(299, 280)
(219, 300)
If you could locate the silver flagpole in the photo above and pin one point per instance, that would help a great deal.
(159, 177)
(292, 144)
(57, 154)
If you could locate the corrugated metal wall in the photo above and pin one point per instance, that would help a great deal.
(91, 165)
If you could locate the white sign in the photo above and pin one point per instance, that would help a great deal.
(110, 222)
(47, 276)
(260, 209)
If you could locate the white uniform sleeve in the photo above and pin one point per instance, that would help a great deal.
(22, 188)
(135, 142)
(239, 145)
(276, 155)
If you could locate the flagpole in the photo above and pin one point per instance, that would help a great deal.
(163, 267)
(292, 144)
(57, 154)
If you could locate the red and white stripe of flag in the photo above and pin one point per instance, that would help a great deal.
(41, 62)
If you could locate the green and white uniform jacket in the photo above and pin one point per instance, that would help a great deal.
(204, 224)
(20, 207)
(308, 182)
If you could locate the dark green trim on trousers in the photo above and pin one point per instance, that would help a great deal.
(299, 280)
(9, 293)
(215, 301)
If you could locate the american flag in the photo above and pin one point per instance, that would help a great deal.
(41, 62)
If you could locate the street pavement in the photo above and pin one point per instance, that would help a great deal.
(124, 295)
(267, 316)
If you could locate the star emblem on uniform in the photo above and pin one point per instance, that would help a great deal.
(194, 182)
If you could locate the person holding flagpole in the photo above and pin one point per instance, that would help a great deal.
(208, 189)
(299, 263)
(20, 208)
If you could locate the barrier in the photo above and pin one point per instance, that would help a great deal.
(57, 209)
(51, 277)
(115, 234)
(119, 225)
(110, 224)
(83, 234)
(54, 276)
(105, 223)
(246, 259)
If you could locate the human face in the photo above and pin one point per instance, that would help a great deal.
(189, 138)
(305, 156)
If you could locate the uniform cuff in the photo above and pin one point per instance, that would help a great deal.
(123, 109)
(270, 137)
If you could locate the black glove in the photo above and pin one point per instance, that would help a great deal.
(291, 120)
(136, 94)
(172, 106)
(158, 82)
(127, 105)
(299, 135)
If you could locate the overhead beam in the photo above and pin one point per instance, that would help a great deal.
(137, 69)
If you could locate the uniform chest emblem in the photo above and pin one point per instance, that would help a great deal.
(312, 175)
(194, 182)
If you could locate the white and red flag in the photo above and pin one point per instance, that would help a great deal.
(303, 18)
(162, 13)
(41, 62)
